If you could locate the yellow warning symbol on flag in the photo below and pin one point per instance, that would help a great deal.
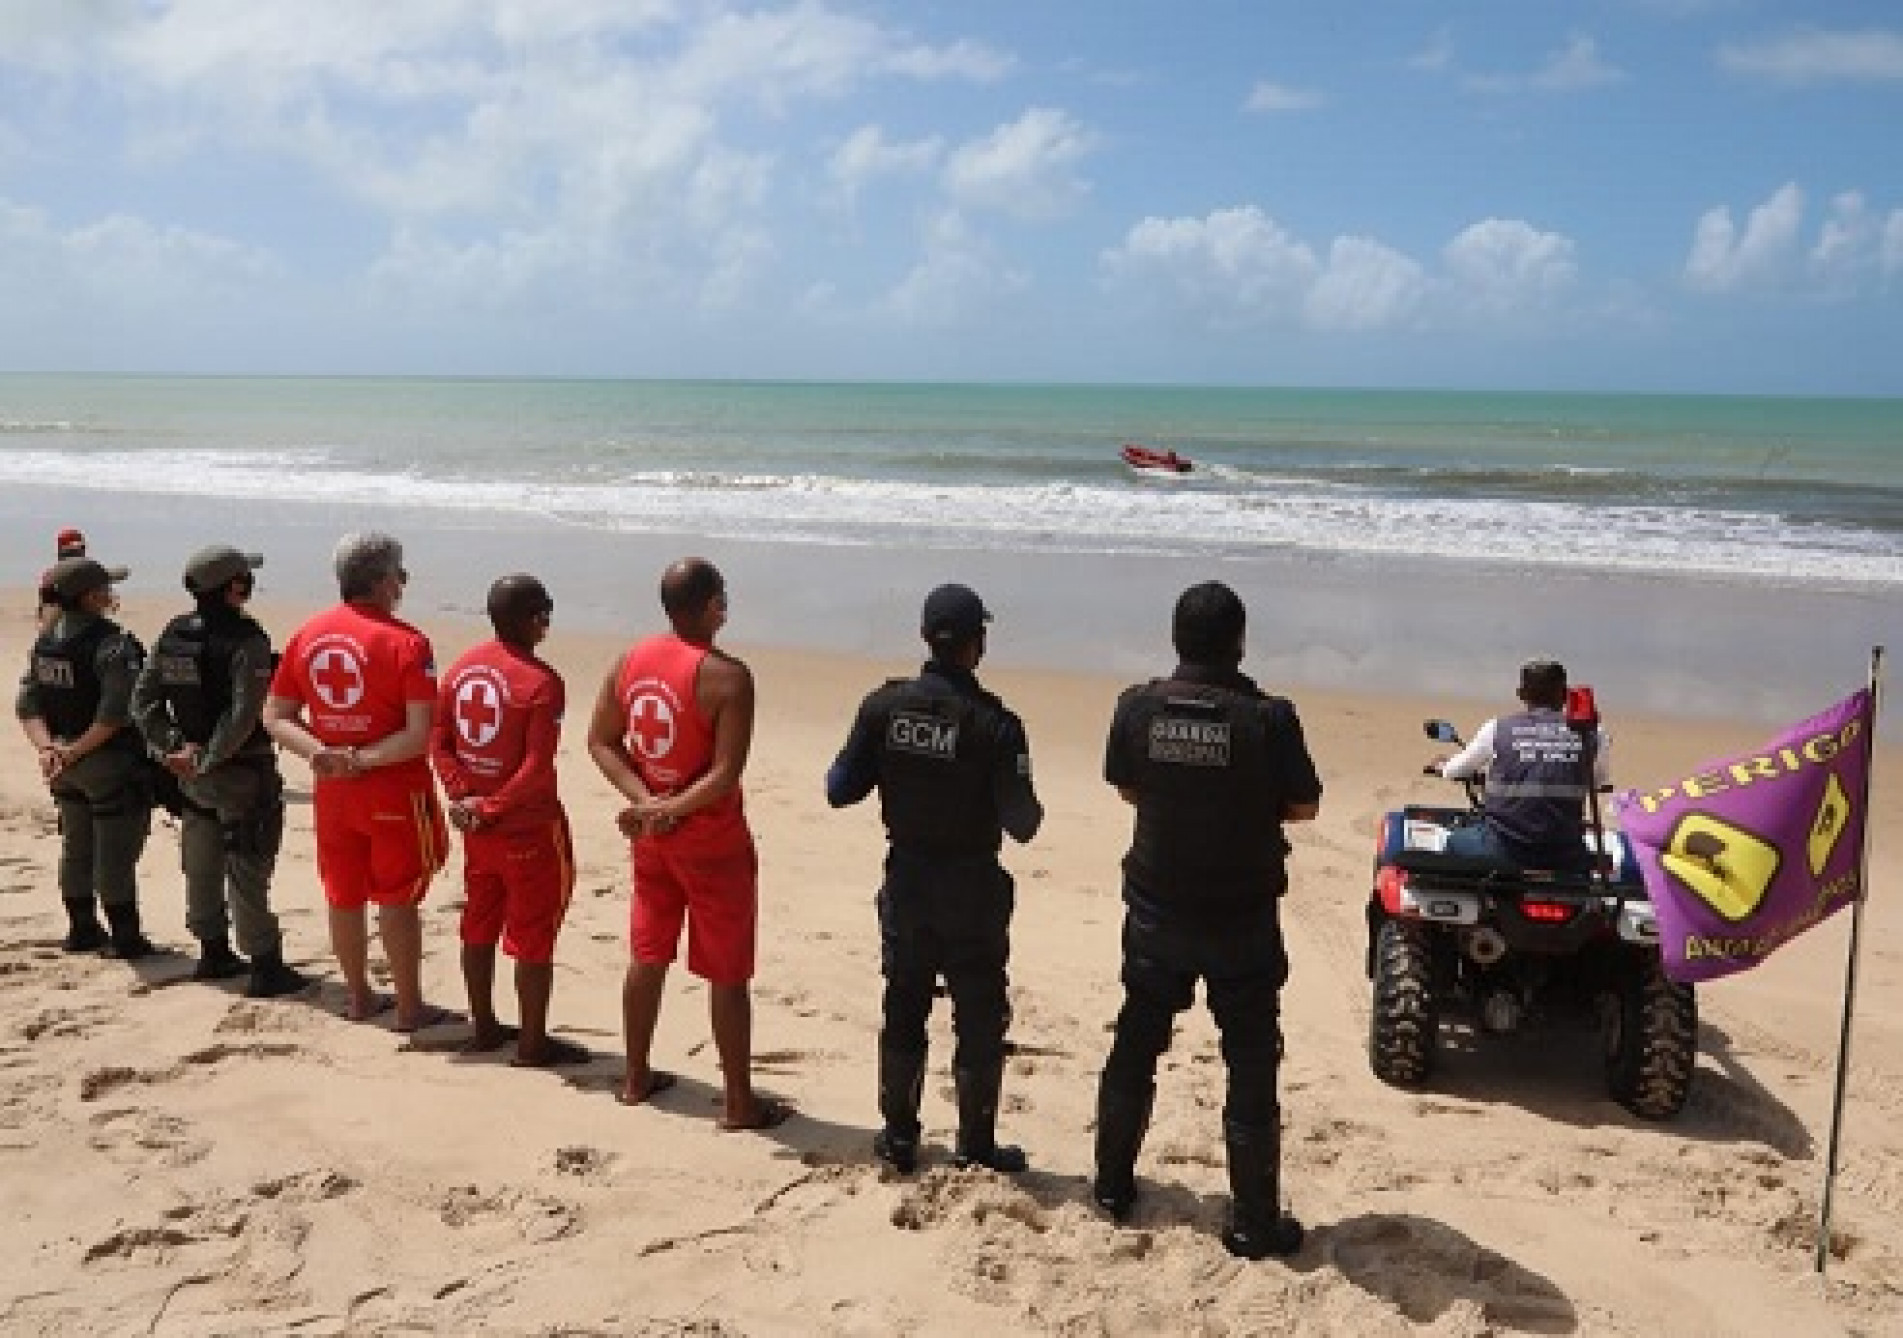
(1833, 816)
(1726, 867)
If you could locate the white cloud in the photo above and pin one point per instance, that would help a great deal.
(1848, 240)
(1722, 259)
(522, 129)
(1506, 265)
(1437, 57)
(957, 277)
(1026, 169)
(1365, 286)
(1854, 243)
(1576, 66)
(1573, 68)
(1236, 264)
(1271, 97)
(960, 60)
(126, 265)
(1241, 267)
(1818, 57)
(867, 154)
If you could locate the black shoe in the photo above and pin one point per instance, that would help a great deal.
(901, 1154)
(1004, 1158)
(216, 961)
(272, 979)
(129, 943)
(1123, 1118)
(88, 937)
(977, 1144)
(1116, 1201)
(901, 1087)
(85, 934)
(1258, 1228)
(1280, 1239)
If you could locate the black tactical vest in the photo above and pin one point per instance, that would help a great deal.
(67, 680)
(1537, 786)
(193, 657)
(936, 758)
(1208, 825)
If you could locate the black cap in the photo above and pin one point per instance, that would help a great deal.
(75, 576)
(953, 613)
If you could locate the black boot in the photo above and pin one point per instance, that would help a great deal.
(978, 1090)
(216, 960)
(1258, 1228)
(901, 1085)
(272, 979)
(1122, 1120)
(128, 941)
(86, 933)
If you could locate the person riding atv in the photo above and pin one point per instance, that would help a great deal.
(1535, 768)
(1510, 914)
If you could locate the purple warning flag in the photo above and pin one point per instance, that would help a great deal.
(1745, 854)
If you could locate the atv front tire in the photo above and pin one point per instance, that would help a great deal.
(1650, 1032)
(1405, 1024)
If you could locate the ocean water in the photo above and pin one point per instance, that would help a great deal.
(1786, 493)
(1687, 556)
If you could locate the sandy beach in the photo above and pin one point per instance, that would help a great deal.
(180, 1160)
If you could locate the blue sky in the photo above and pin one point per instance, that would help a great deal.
(1674, 195)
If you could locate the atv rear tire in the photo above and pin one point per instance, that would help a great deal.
(1404, 1027)
(1651, 1043)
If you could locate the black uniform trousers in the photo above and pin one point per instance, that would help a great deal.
(1243, 966)
(948, 917)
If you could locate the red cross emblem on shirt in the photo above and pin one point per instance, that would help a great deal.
(337, 678)
(478, 714)
(651, 725)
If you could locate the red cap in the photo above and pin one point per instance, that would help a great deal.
(70, 538)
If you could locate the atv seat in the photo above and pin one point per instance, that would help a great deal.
(1438, 864)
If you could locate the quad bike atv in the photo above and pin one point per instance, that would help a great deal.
(1512, 948)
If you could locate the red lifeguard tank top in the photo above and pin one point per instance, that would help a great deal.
(669, 738)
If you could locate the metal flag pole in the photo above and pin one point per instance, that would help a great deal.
(1850, 965)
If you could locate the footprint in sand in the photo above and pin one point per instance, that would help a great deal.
(99, 1082)
(55, 1023)
(249, 1017)
(535, 1217)
(584, 1163)
(312, 1186)
(219, 1053)
(132, 1136)
(785, 1061)
(186, 1227)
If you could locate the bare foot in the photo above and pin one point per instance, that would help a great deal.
(492, 1037)
(429, 1015)
(554, 1052)
(656, 1081)
(767, 1113)
(371, 1005)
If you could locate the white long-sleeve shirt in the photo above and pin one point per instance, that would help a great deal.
(1477, 757)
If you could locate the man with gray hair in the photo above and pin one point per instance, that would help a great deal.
(199, 702)
(355, 695)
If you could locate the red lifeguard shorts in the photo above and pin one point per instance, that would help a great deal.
(714, 888)
(518, 885)
(378, 841)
